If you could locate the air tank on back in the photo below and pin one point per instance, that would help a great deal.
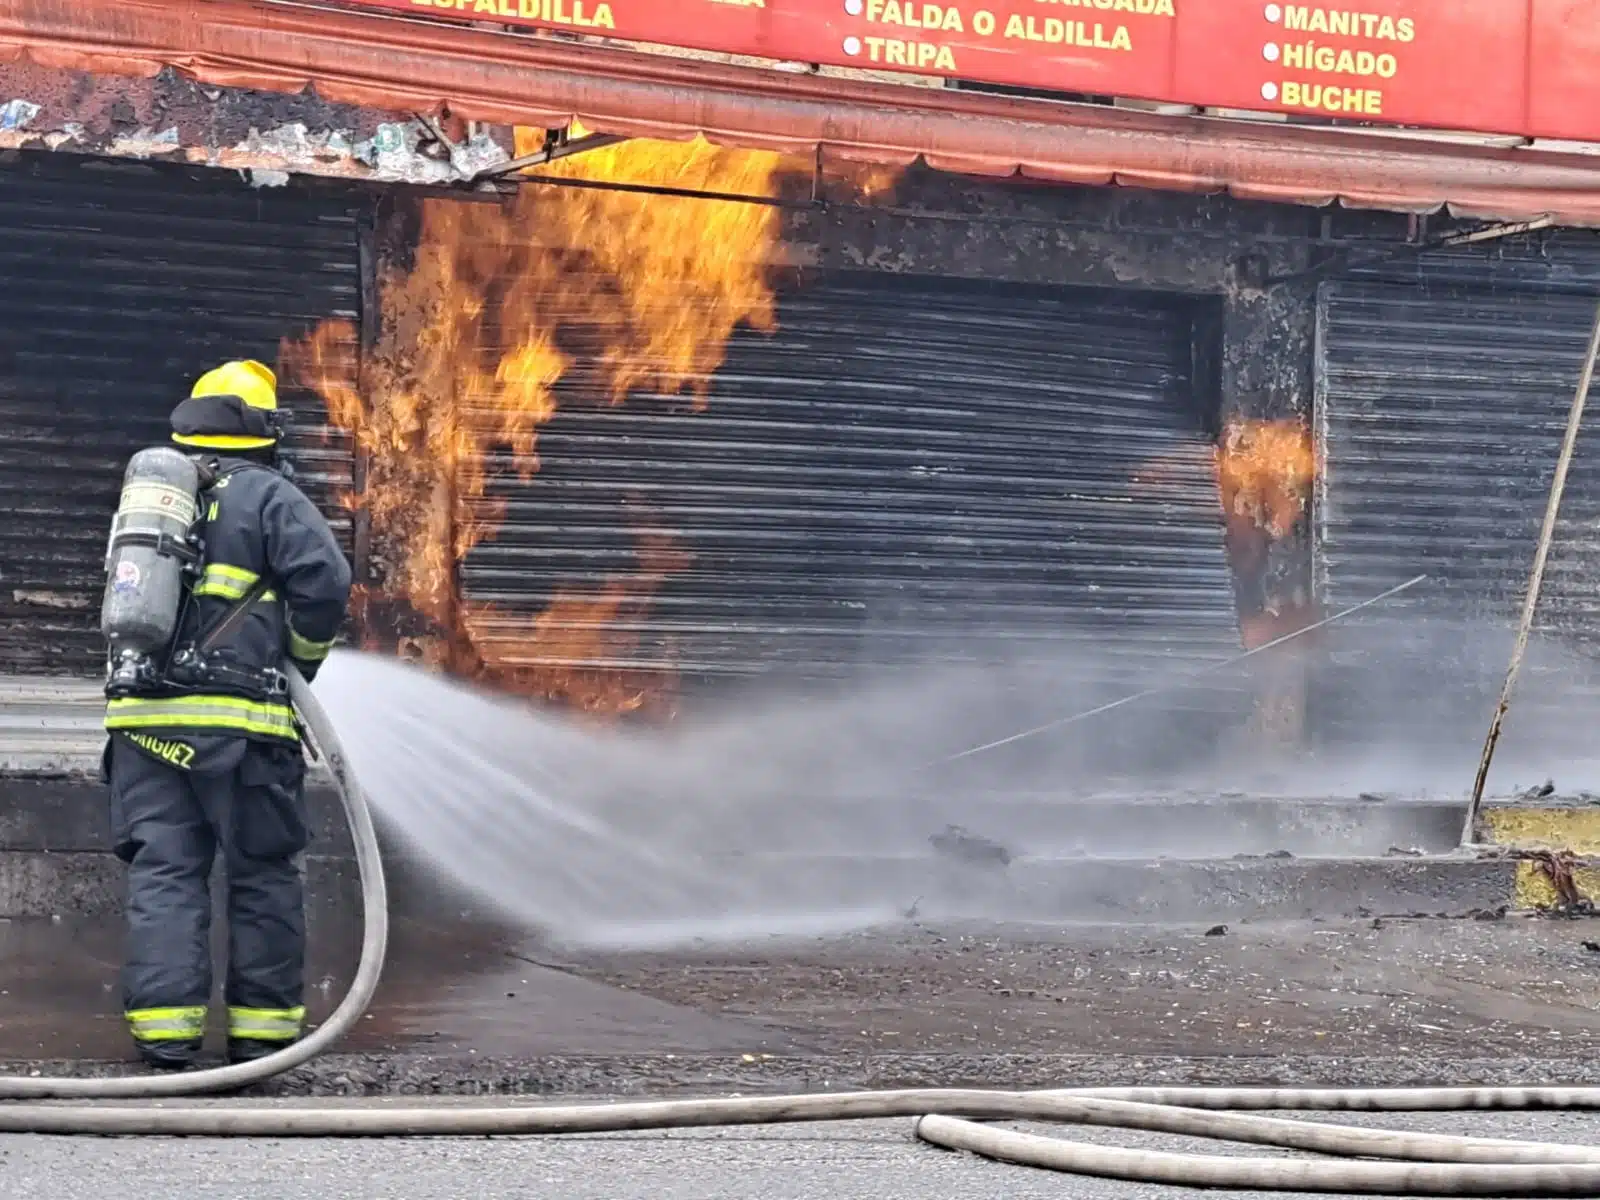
(144, 563)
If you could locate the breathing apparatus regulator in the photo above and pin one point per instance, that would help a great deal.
(155, 553)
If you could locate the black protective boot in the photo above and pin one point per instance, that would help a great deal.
(242, 1050)
(168, 1056)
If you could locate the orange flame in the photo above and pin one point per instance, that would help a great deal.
(586, 644)
(1265, 470)
(500, 303)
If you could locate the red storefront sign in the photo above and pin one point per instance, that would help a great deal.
(1528, 67)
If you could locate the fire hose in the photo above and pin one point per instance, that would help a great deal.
(1423, 1164)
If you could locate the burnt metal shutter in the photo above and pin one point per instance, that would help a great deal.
(123, 282)
(1441, 410)
(906, 470)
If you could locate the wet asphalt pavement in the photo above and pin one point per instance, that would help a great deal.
(861, 1161)
(1378, 1002)
(914, 1004)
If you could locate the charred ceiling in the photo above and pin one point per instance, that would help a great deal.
(265, 135)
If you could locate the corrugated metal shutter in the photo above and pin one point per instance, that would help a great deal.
(1553, 260)
(123, 283)
(907, 470)
(1441, 411)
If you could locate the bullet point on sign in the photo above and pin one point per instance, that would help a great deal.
(852, 45)
(1270, 52)
(1269, 91)
(853, 7)
(1274, 13)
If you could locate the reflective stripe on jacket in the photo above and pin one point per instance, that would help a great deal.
(230, 583)
(218, 714)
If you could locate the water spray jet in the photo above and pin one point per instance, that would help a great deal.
(1422, 1164)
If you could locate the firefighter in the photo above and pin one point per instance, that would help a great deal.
(208, 760)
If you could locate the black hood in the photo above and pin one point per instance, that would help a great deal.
(221, 416)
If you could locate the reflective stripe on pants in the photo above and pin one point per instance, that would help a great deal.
(167, 1024)
(219, 714)
(168, 826)
(266, 1024)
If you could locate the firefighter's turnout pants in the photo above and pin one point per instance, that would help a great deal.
(175, 804)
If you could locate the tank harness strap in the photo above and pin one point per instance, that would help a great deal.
(162, 543)
(193, 666)
(193, 660)
(229, 621)
(214, 472)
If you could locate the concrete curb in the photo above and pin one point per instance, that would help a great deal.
(55, 860)
(89, 884)
(1151, 825)
(1145, 891)
(69, 813)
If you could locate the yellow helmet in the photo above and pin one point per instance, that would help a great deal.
(254, 384)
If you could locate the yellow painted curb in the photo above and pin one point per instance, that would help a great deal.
(1569, 831)
(1534, 889)
(1575, 830)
